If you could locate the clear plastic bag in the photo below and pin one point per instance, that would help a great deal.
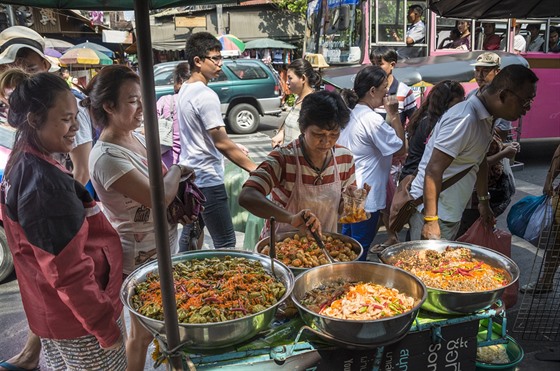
(354, 200)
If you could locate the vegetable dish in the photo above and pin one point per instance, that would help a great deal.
(211, 290)
(454, 269)
(357, 301)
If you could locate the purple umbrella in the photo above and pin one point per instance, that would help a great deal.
(53, 53)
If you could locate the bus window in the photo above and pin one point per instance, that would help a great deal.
(390, 26)
(335, 31)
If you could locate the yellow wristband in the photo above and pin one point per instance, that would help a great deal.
(431, 218)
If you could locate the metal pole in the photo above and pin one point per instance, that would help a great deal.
(219, 22)
(143, 42)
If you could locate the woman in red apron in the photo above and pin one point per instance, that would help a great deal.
(306, 177)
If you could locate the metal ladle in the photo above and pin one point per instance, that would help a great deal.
(319, 241)
(272, 251)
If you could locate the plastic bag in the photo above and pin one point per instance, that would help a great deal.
(520, 214)
(354, 200)
(497, 240)
(540, 220)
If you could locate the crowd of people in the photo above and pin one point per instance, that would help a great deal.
(71, 255)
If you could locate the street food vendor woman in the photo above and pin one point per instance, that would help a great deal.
(305, 178)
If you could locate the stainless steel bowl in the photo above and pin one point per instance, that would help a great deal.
(370, 333)
(356, 246)
(208, 336)
(457, 302)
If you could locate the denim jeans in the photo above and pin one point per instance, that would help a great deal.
(363, 232)
(216, 217)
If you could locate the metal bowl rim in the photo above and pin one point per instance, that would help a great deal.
(413, 310)
(301, 270)
(221, 252)
(463, 244)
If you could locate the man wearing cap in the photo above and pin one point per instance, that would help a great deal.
(23, 47)
(487, 66)
(458, 147)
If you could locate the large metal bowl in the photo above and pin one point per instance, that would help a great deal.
(356, 246)
(457, 302)
(209, 336)
(372, 333)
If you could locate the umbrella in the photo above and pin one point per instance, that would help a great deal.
(53, 53)
(85, 56)
(231, 42)
(100, 48)
(268, 44)
(57, 44)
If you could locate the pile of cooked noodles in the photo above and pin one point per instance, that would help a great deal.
(357, 301)
(212, 290)
(454, 269)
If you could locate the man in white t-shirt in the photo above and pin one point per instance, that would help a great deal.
(460, 141)
(204, 141)
(415, 33)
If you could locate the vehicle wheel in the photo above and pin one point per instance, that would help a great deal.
(6, 259)
(244, 119)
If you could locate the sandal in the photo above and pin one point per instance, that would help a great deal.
(536, 288)
(11, 367)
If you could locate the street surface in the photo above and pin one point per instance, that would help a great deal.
(536, 157)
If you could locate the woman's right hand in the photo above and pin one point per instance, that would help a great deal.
(278, 139)
(391, 104)
(305, 219)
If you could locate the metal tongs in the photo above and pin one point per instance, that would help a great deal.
(319, 241)
(272, 252)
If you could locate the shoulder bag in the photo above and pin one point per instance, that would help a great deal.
(187, 204)
(404, 204)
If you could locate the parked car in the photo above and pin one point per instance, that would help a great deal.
(247, 89)
(7, 135)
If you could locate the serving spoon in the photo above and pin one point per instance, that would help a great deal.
(319, 241)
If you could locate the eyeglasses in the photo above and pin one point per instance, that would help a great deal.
(525, 102)
(216, 59)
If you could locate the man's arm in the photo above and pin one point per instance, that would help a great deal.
(229, 149)
(483, 196)
(432, 188)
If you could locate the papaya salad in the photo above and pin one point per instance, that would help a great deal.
(454, 269)
(357, 301)
(211, 290)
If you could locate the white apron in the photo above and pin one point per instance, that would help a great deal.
(322, 200)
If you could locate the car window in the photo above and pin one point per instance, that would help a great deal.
(164, 77)
(221, 77)
(248, 71)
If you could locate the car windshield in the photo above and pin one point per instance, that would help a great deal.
(7, 135)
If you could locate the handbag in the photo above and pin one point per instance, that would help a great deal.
(187, 204)
(165, 125)
(404, 204)
(497, 240)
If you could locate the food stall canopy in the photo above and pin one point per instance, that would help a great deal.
(488, 9)
(110, 4)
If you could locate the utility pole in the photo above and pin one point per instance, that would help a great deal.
(219, 9)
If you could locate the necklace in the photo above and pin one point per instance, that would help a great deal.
(318, 171)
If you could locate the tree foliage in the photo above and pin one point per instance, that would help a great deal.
(294, 6)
